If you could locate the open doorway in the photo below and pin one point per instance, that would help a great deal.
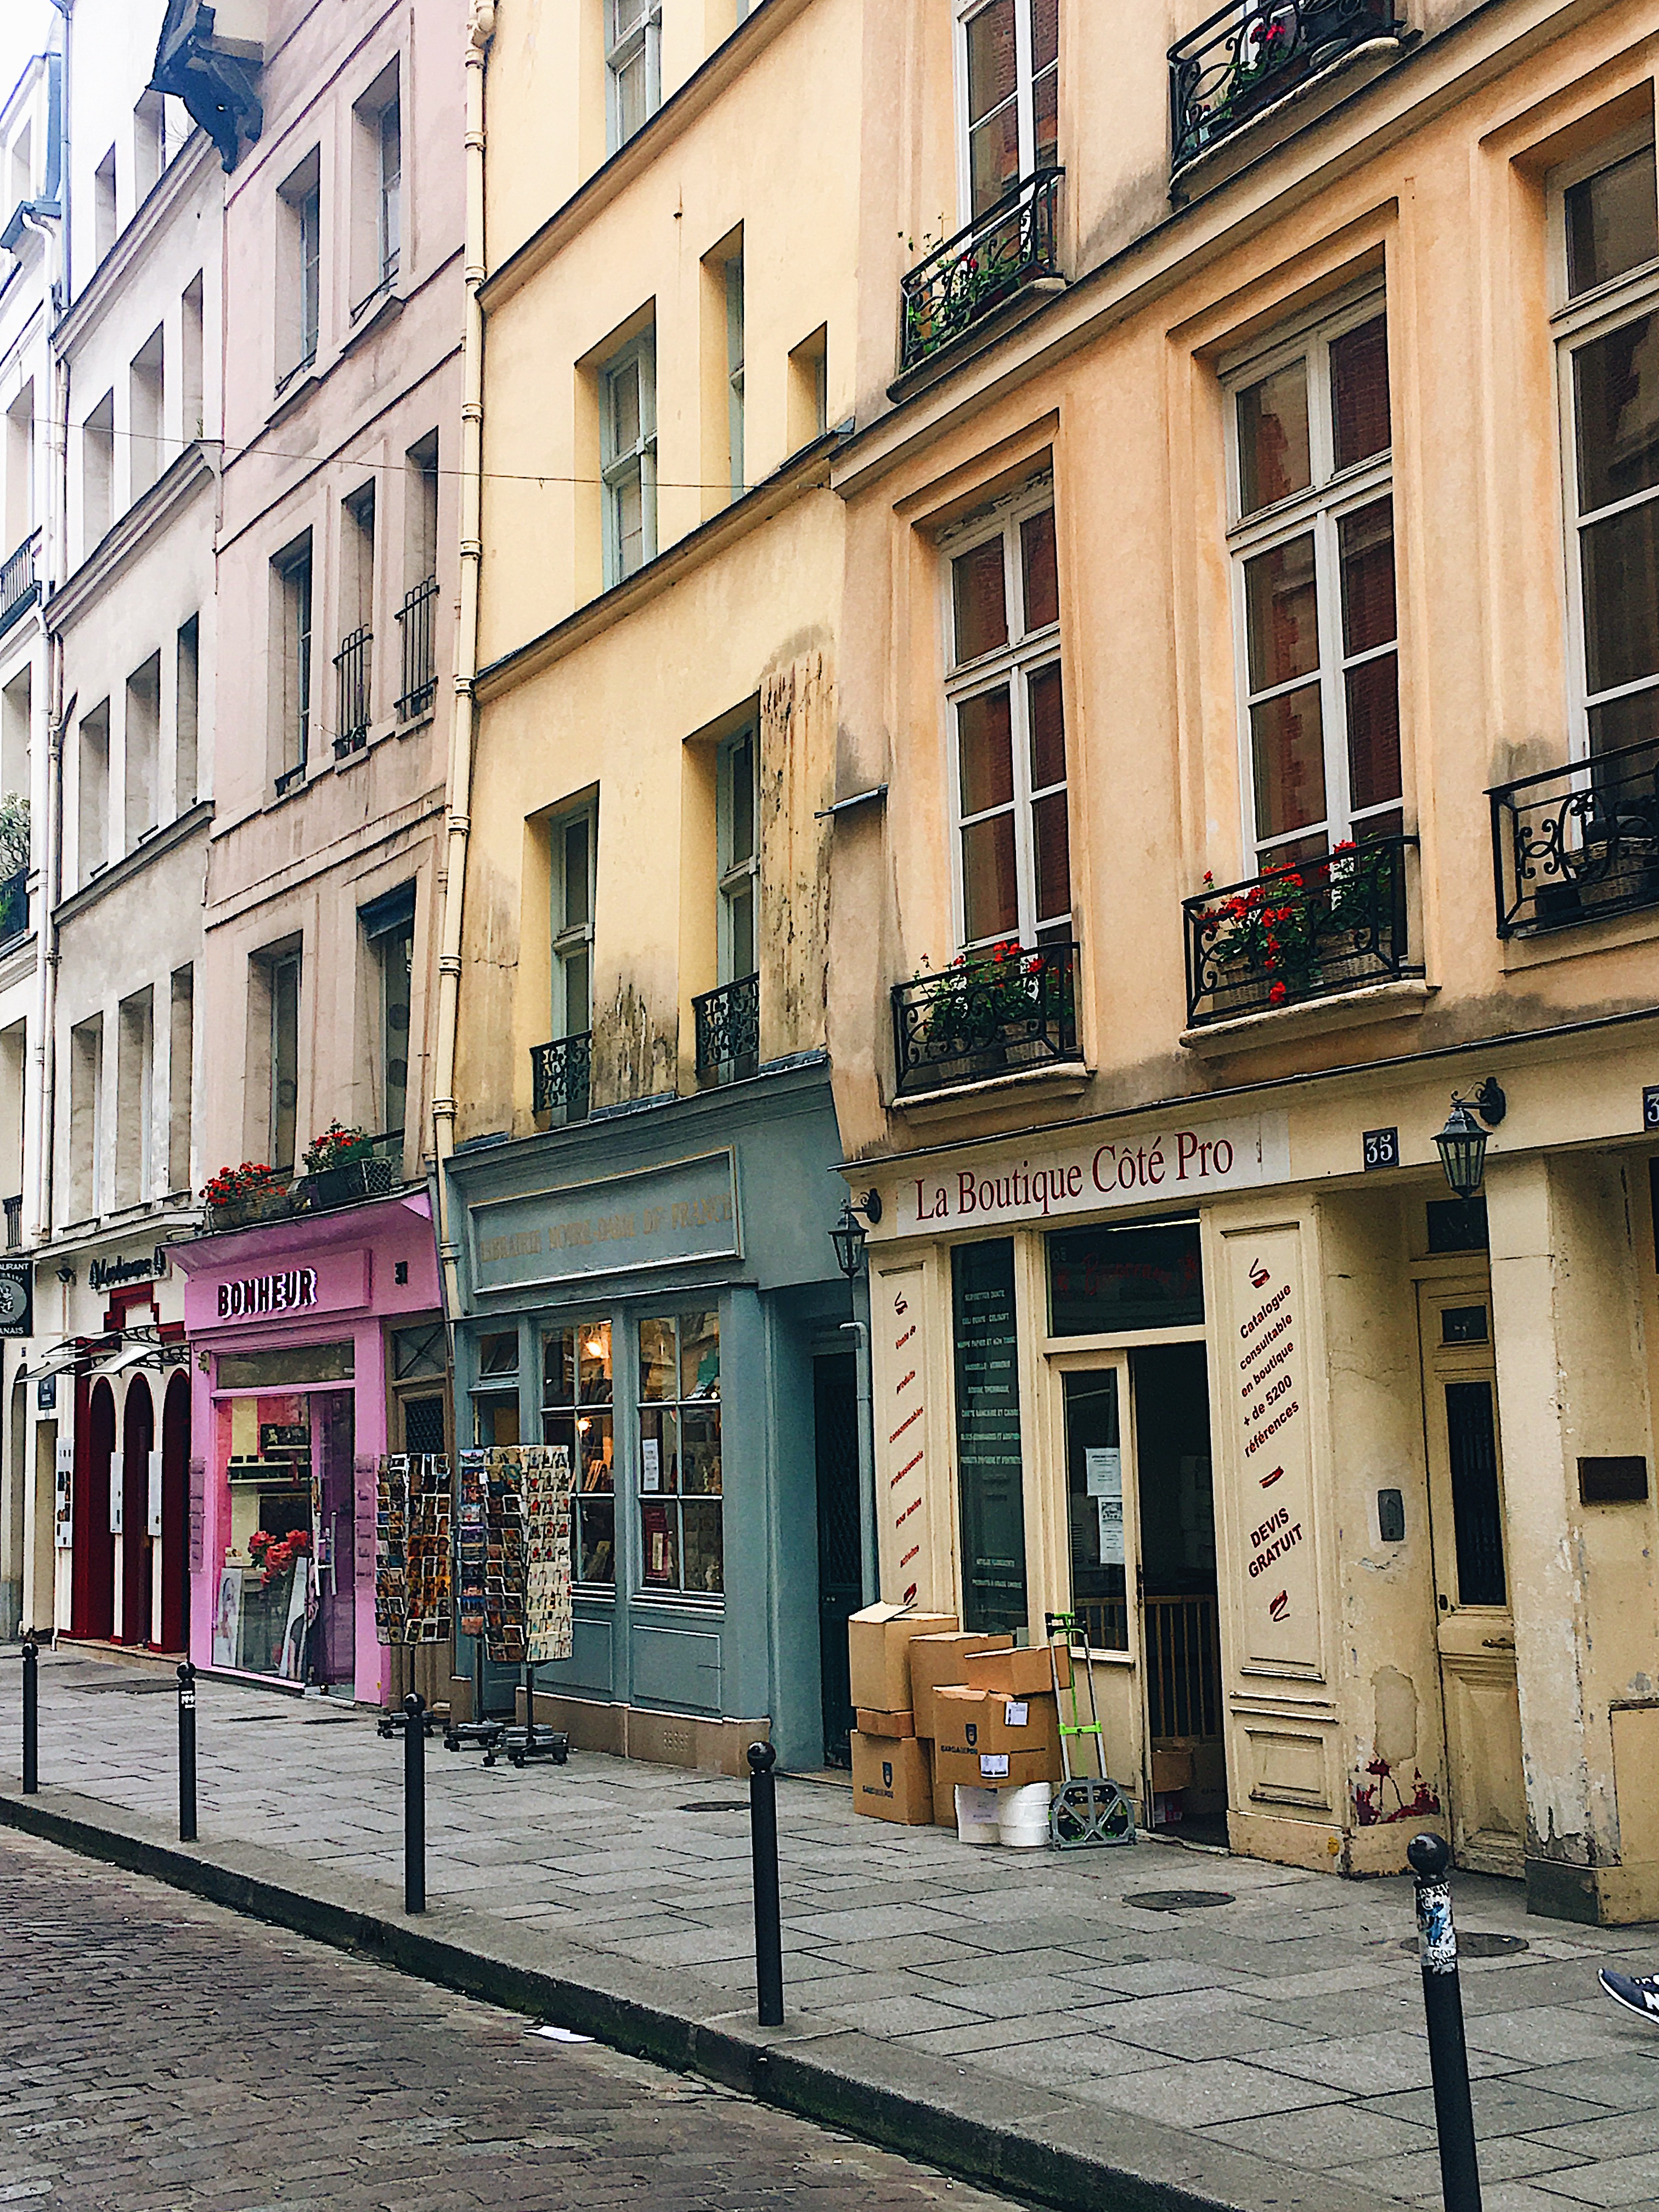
(1186, 1753)
(835, 1405)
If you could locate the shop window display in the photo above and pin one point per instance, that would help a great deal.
(577, 1413)
(287, 1582)
(1136, 1274)
(680, 1479)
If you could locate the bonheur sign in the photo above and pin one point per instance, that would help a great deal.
(1184, 1159)
(278, 1287)
(687, 1210)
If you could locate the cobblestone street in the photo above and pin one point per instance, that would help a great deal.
(158, 2054)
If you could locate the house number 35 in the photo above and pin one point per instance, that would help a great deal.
(1381, 1148)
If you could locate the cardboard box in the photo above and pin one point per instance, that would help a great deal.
(890, 1724)
(945, 1800)
(879, 1651)
(1023, 1674)
(892, 1779)
(937, 1659)
(1172, 1768)
(994, 1742)
(994, 1770)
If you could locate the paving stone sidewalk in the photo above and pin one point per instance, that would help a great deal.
(1269, 2050)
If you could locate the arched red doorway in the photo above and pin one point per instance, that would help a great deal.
(92, 1609)
(175, 1515)
(138, 1435)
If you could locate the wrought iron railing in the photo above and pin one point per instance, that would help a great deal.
(1253, 52)
(17, 581)
(1300, 930)
(985, 264)
(1183, 1667)
(563, 1072)
(14, 1210)
(415, 622)
(1578, 843)
(728, 1031)
(14, 904)
(995, 1012)
(374, 1171)
(353, 669)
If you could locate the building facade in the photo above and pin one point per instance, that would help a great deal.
(638, 1110)
(339, 134)
(1243, 522)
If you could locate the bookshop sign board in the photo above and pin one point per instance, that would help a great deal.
(685, 1211)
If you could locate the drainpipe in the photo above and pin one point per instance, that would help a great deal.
(481, 29)
(871, 1576)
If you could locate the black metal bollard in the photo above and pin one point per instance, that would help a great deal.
(1443, 2003)
(187, 1754)
(764, 1844)
(31, 1717)
(414, 1803)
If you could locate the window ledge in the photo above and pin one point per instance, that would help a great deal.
(373, 313)
(1342, 1010)
(290, 398)
(406, 726)
(1207, 166)
(1067, 1078)
(1582, 935)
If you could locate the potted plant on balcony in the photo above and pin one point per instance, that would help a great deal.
(252, 1192)
(986, 1001)
(341, 1168)
(1293, 929)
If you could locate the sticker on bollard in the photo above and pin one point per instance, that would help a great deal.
(1430, 1856)
(187, 1754)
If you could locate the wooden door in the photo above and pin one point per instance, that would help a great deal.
(1475, 1626)
(1103, 1548)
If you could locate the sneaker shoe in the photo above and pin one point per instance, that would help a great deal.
(1639, 1995)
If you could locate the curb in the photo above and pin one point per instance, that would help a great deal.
(854, 2099)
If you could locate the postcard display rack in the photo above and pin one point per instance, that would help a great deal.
(512, 1575)
(414, 1602)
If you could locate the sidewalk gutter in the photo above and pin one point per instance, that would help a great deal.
(1025, 2140)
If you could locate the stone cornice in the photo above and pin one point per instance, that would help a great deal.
(173, 489)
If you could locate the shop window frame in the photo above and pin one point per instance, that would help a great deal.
(576, 1326)
(676, 1312)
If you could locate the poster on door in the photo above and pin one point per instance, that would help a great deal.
(896, 1306)
(1276, 1558)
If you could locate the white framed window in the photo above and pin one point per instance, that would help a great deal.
(1004, 702)
(737, 811)
(628, 387)
(389, 194)
(1316, 628)
(734, 344)
(575, 845)
(1008, 70)
(633, 60)
(1605, 224)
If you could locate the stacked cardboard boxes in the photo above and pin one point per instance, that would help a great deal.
(892, 1764)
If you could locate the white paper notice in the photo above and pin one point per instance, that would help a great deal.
(1111, 1531)
(994, 1766)
(1102, 1470)
(1015, 1713)
(650, 1463)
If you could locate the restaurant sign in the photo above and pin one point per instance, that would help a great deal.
(1187, 1160)
(661, 1216)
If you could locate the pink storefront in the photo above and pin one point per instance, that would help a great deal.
(317, 1346)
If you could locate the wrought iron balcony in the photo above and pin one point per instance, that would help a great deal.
(562, 1071)
(14, 1210)
(1300, 931)
(415, 622)
(728, 1031)
(1578, 843)
(989, 1013)
(353, 669)
(374, 1171)
(18, 586)
(985, 263)
(1253, 52)
(14, 905)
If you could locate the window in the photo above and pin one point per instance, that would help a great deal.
(292, 687)
(144, 416)
(354, 662)
(629, 453)
(86, 1116)
(1008, 729)
(97, 472)
(136, 1049)
(809, 389)
(284, 1058)
(300, 277)
(577, 1413)
(20, 469)
(680, 1545)
(735, 368)
(575, 844)
(103, 207)
(633, 58)
(93, 795)
(144, 733)
(181, 1054)
(736, 813)
(187, 712)
(1313, 552)
(148, 143)
(388, 926)
(391, 144)
(1009, 63)
(1609, 334)
(192, 420)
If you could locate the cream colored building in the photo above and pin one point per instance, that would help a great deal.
(1272, 481)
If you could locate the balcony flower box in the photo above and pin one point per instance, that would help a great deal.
(239, 1197)
(343, 1166)
(1298, 930)
(991, 1013)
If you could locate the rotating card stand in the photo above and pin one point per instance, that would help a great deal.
(393, 1723)
(1088, 1810)
(536, 1740)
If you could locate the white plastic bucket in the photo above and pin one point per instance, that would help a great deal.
(977, 1815)
(1022, 1817)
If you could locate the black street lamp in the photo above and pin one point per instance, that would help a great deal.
(1462, 1143)
(847, 1235)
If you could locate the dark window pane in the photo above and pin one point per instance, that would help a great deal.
(1612, 223)
(994, 157)
(656, 1359)
(1050, 837)
(985, 745)
(700, 1431)
(1288, 751)
(743, 803)
(1617, 383)
(596, 1540)
(1632, 721)
(1047, 727)
(1621, 598)
(1274, 454)
(1282, 611)
(1045, 33)
(979, 594)
(1477, 1512)
(1144, 1275)
(1045, 102)
(704, 1567)
(1037, 566)
(559, 1368)
(1457, 1224)
(1366, 552)
(1094, 1487)
(991, 64)
(1359, 393)
(660, 1544)
(576, 900)
(1373, 691)
(989, 896)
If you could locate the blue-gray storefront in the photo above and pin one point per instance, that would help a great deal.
(657, 1290)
